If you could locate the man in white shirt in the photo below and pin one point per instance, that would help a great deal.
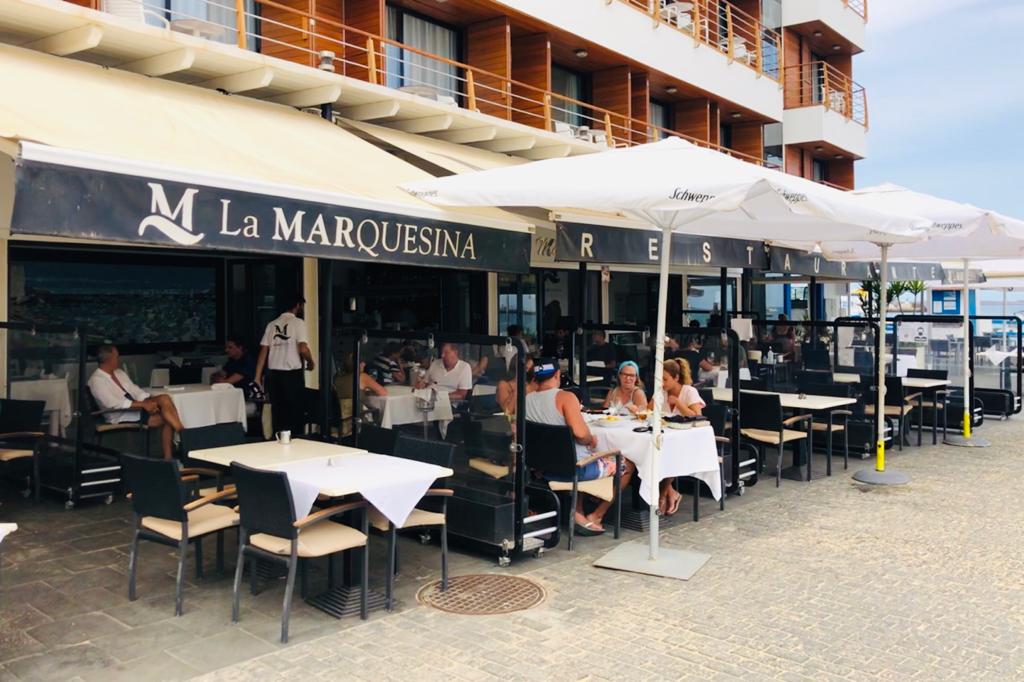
(112, 389)
(284, 351)
(450, 373)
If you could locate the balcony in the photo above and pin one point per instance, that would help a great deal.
(319, 60)
(721, 26)
(824, 107)
(831, 22)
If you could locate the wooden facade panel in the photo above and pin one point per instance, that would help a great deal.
(489, 47)
(692, 118)
(610, 89)
(748, 138)
(714, 123)
(840, 172)
(368, 16)
(640, 99)
(284, 29)
(531, 66)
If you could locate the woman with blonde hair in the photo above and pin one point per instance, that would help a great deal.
(629, 394)
(680, 398)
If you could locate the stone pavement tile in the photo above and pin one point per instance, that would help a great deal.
(62, 664)
(154, 667)
(103, 576)
(58, 604)
(102, 541)
(30, 572)
(223, 649)
(76, 629)
(146, 609)
(16, 643)
(22, 617)
(135, 643)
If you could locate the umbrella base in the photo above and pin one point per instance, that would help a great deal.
(964, 442)
(679, 564)
(887, 477)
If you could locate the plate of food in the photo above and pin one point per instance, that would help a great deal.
(614, 422)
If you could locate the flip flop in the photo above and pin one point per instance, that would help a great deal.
(589, 529)
(674, 506)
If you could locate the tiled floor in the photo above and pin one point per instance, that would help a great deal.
(821, 581)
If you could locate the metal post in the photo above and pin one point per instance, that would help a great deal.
(966, 439)
(880, 476)
(659, 364)
(812, 313)
(581, 299)
(723, 292)
(326, 280)
(519, 301)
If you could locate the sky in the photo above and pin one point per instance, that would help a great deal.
(945, 93)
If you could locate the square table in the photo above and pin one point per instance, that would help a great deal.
(793, 401)
(200, 405)
(54, 392)
(399, 407)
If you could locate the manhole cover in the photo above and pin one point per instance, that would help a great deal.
(482, 595)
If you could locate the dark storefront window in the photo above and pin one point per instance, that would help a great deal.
(508, 305)
(409, 298)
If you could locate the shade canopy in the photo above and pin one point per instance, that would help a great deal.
(673, 183)
(958, 231)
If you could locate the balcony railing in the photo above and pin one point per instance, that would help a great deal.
(858, 6)
(723, 27)
(319, 41)
(821, 84)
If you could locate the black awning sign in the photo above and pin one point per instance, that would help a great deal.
(791, 261)
(580, 243)
(53, 199)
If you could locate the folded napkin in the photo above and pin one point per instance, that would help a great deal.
(426, 394)
(224, 386)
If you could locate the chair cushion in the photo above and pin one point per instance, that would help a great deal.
(890, 410)
(932, 405)
(417, 518)
(818, 426)
(488, 467)
(11, 455)
(206, 519)
(772, 437)
(603, 488)
(321, 539)
(127, 426)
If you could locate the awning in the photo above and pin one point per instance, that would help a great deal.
(110, 155)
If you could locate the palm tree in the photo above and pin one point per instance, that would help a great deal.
(917, 288)
(894, 291)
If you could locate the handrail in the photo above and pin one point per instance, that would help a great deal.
(858, 6)
(821, 84)
(303, 35)
(723, 27)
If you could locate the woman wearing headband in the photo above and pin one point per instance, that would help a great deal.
(629, 394)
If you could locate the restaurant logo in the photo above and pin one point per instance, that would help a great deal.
(683, 194)
(947, 227)
(792, 197)
(163, 218)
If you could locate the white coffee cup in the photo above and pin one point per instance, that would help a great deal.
(284, 437)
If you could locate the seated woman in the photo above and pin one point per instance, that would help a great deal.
(343, 385)
(507, 392)
(629, 394)
(679, 398)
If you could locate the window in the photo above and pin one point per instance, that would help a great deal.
(725, 135)
(217, 12)
(407, 69)
(817, 79)
(773, 144)
(819, 170)
(508, 302)
(659, 119)
(569, 84)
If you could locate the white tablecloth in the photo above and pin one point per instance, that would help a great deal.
(200, 405)
(685, 452)
(6, 528)
(391, 484)
(161, 376)
(399, 407)
(56, 394)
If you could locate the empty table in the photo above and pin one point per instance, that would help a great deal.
(54, 392)
(200, 405)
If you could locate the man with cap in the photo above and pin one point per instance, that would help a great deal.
(284, 351)
(550, 405)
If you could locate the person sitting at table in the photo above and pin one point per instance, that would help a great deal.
(691, 355)
(343, 385)
(385, 366)
(112, 389)
(450, 373)
(548, 404)
(600, 350)
(507, 391)
(784, 334)
(679, 398)
(239, 371)
(672, 348)
(629, 393)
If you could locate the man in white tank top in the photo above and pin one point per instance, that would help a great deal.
(550, 405)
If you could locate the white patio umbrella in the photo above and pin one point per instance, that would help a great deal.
(959, 232)
(678, 186)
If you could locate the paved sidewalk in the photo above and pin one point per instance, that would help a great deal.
(824, 581)
(819, 581)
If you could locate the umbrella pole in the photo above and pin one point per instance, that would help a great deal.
(966, 440)
(880, 476)
(633, 556)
